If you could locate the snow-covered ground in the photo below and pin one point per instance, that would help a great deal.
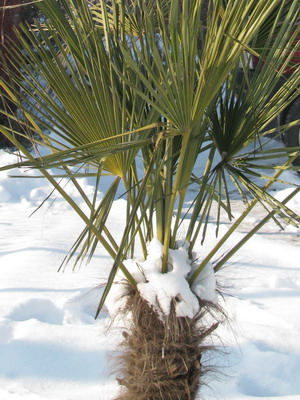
(52, 348)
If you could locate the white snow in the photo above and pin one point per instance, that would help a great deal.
(206, 284)
(159, 289)
(51, 348)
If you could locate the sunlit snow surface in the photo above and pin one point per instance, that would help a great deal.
(52, 348)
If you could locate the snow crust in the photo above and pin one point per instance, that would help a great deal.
(160, 290)
(205, 285)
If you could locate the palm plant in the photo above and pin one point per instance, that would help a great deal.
(158, 95)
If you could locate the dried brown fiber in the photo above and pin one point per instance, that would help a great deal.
(161, 360)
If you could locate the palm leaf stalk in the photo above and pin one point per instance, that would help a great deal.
(159, 96)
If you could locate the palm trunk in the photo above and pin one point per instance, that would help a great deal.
(161, 359)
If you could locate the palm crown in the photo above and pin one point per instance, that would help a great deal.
(142, 91)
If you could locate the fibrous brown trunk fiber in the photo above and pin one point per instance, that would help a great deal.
(161, 360)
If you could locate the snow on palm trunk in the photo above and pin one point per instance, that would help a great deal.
(166, 326)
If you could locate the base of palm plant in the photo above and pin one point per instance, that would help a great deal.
(162, 358)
